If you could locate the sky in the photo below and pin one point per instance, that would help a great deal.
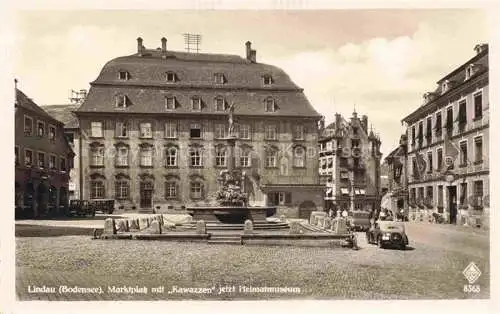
(379, 62)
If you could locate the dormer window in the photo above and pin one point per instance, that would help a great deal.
(446, 86)
(123, 75)
(220, 103)
(196, 103)
(121, 101)
(270, 104)
(170, 102)
(267, 79)
(219, 78)
(171, 77)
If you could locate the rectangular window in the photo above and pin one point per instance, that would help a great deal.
(413, 135)
(195, 130)
(463, 153)
(171, 77)
(28, 157)
(220, 104)
(270, 105)
(220, 158)
(52, 133)
(355, 143)
(122, 190)
(298, 132)
(478, 106)
(196, 190)
(462, 112)
(170, 189)
(121, 101)
(219, 78)
(196, 158)
(428, 130)
(70, 137)
(220, 130)
(63, 164)
(28, 126)
(52, 162)
(196, 103)
(97, 158)
(429, 162)
(145, 130)
(271, 159)
(420, 136)
(439, 123)
(41, 160)
(170, 103)
(40, 128)
(268, 79)
(96, 129)
(96, 189)
(122, 157)
(439, 159)
(478, 193)
(440, 198)
(245, 158)
(171, 130)
(171, 157)
(121, 129)
(146, 157)
(123, 75)
(478, 153)
(430, 193)
(281, 198)
(271, 132)
(245, 131)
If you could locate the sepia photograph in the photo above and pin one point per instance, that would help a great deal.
(228, 155)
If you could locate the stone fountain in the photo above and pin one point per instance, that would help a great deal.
(232, 200)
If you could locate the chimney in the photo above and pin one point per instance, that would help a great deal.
(364, 123)
(140, 47)
(480, 48)
(249, 49)
(163, 45)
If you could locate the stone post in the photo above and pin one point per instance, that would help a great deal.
(248, 227)
(283, 218)
(155, 227)
(294, 227)
(109, 226)
(328, 223)
(201, 227)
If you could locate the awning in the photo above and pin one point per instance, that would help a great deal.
(344, 191)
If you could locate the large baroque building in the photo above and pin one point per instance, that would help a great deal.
(349, 164)
(154, 123)
(448, 145)
(43, 161)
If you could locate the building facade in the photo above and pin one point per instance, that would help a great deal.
(64, 113)
(153, 129)
(349, 164)
(448, 146)
(43, 161)
(396, 162)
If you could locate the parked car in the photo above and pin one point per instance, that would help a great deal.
(81, 208)
(106, 206)
(388, 234)
(359, 220)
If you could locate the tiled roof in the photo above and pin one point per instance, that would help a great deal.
(64, 113)
(147, 85)
(25, 102)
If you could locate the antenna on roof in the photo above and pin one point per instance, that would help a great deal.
(192, 42)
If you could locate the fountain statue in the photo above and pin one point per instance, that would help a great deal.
(233, 201)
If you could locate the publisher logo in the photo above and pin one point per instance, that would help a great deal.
(472, 273)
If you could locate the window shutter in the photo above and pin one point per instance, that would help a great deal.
(288, 198)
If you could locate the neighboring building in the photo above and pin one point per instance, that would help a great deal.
(64, 113)
(384, 179)
(43, 160)
(153, 128)
(350, 164)
(396, 163)
(448, 146)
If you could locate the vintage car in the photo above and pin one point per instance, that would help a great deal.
(81, 208)
(359, 220)
(388, 234)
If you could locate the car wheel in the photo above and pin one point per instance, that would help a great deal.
(379, 243)
(402, 247)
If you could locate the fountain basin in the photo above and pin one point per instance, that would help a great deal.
(231, 214)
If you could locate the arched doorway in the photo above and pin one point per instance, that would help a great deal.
(306, 208)
(28, 208)
(42, 199)
(146, 194)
